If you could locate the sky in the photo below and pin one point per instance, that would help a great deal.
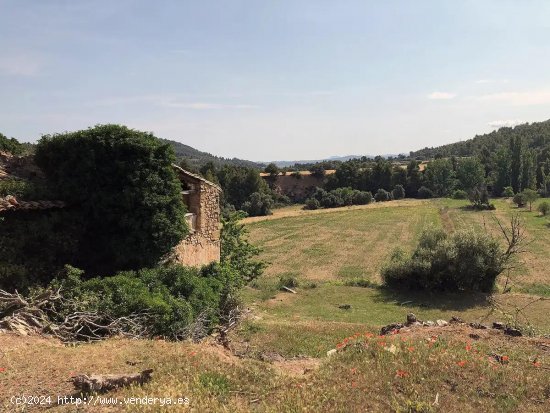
(276, 79)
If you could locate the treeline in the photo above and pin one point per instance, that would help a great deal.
(198, 159)
(243, 188)
(534, 136)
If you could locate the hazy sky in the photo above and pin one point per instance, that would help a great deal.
(276, 79)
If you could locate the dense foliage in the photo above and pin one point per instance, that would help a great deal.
(462, 261)
(171, 297)
(119, 184)
(196, 159)
(337, 198)
(10, 145)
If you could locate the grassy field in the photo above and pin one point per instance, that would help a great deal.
(330, 251)
(278, 356)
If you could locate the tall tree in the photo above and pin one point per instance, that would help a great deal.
(439, 176)
(528, 169)
(515, 163)
(470, 173)
(502, 171)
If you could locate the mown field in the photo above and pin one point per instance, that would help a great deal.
(330, 252)
(278, 362)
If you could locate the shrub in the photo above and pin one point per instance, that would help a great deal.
(382, 195)
(258, 204)
(330, 200)
(10, 145)
(479, 197)
(398, 192)
(465, 260)
(519, 200)
(425, 193)
(544, 208)
(296, 174)
(312, 203)
(460, 194)
(508, 192)
(362, 198)
(124, 191)
(530, 196)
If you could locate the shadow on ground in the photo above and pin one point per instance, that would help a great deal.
(433, 300)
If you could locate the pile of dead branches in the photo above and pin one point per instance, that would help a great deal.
(46, 313)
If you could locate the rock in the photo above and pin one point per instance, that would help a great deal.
(331, 352)
(474, 336)
(428, 323)
(389, 328)
(514, 332)
(441, 323)
(498, 325)
(344, 306)
(478, 326)
(411, 318)
(455, 319)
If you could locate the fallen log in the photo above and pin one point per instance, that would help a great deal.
(103, 383)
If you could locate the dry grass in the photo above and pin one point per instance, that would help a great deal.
(430, 369)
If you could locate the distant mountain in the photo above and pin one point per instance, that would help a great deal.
(282, 164)
(197, 158)
(535, 135)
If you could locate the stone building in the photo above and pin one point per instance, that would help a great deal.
(202, 197)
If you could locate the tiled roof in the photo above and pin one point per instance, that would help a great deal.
(182, 171)
(10, 203)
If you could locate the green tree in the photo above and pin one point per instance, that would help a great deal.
(470, 173)
(439, 176)
(515, 163)
(123, 188)
(530, 196)
(272, 169)
(502, 171)
(529, 170)
(10, 145)
(414, 178)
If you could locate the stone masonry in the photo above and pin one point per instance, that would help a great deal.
(202, 197)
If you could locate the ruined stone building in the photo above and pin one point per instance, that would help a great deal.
(202, 197)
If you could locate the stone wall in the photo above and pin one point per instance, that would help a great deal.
(203, 245)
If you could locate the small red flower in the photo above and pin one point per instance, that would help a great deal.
(401, 373)
(353, 384)
(537, 363)
(411, 349)
(2, 369)
(353, 370)
(468, 347)
(461, 363)
(505, 359)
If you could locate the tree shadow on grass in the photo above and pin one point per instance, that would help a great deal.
(444, 301)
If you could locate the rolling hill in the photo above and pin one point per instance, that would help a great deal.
(198, 158)
(535, 135)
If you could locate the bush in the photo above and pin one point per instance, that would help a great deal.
(544, 208)
(330, 200)
(312, 203)
(460, 194)
(398, 192)
(466, 260)
(258, 204)
(530, 196)
(479, 197)
(382, 195)
(508, 192)
(362, 198)
(425, 193)
(122, 187)
(519, 200)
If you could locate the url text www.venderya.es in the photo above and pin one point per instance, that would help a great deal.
(93, 400)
